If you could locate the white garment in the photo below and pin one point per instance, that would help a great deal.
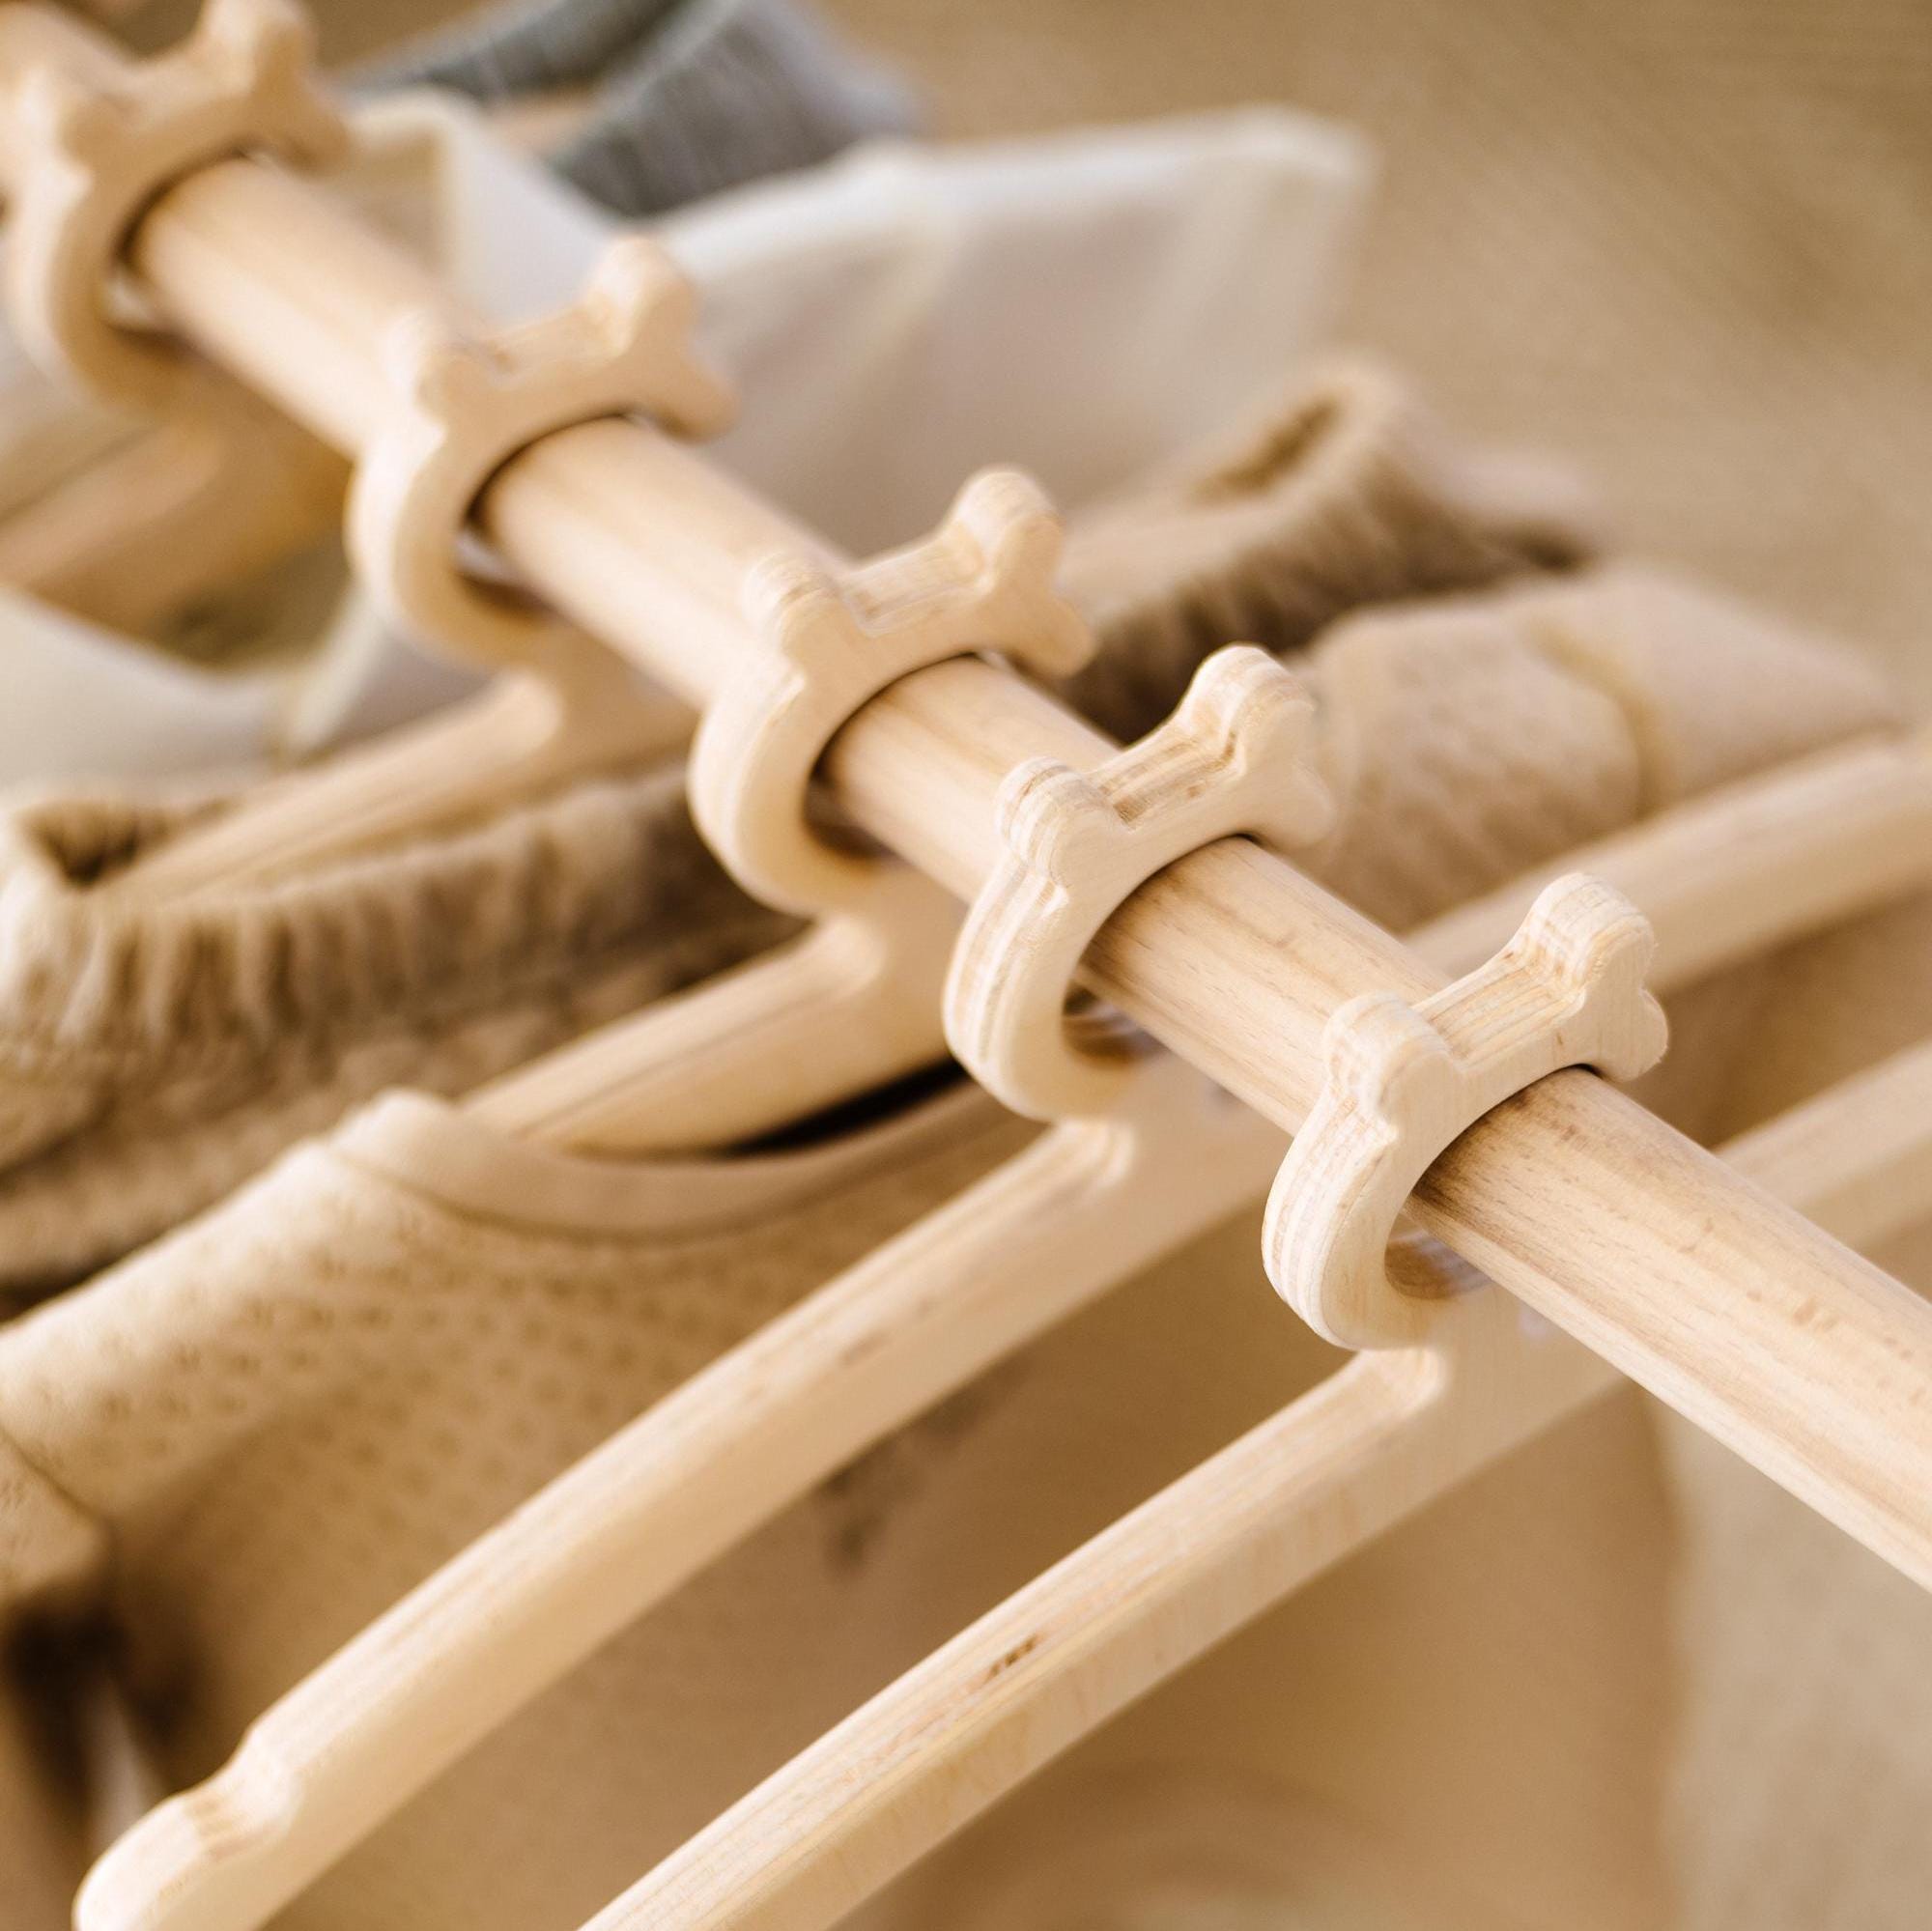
(891, 321)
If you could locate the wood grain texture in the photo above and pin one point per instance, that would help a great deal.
(984, 581)
(1336, 1468)
(91, 144)
(1234, 759)
(1083, 1207)
(463, 404)
(1056, 1226)
(1404, 1081)
(1764, 1330)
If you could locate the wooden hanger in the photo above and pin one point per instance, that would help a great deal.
(1229, 956)
(96, 150)
(1404, 1081)
(1084, 1205)
(855, 1002)
(915, 1321)
(224, 484)
(1729, 875)
(458, 403)
(150, 529)
(834, 1013)
(524, 736)
(566, 707)
(1339, 1467)
(1235, 757)
(1143, 1160)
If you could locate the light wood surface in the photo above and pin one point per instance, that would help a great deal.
(1338, 1467)
(1758, 1324)
(521, 738)
(175, 514)
(834, 641)
(95, 145)
(1071, 1215)
(977, 1279)
(1404, 1081)
(1234, 759)
(463, 404)
(834, 1015)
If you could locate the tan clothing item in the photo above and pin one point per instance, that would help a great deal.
(1460, 733)
(383, 1346)
(151, 1057)
(287, 1413)
(1342, 492)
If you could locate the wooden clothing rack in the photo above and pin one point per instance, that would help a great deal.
(1749, 1320)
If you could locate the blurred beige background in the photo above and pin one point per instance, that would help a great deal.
(1686, 241)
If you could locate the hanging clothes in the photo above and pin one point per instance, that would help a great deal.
(864, 311)
(390, 1339)
(154, 1054)
(681, 98)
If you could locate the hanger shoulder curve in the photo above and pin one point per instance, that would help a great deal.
(1338, 1467)
(1061, 1221)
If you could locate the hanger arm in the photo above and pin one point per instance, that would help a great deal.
(920, 1318)
(1132, 1608)
(1807, 1361)
(181, 513)
(1023, 1683)
(518, 738)
(850, 1005)
(1059, 1223)
(1726, 877)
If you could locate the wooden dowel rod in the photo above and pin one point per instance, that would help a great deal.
(1780, 1342)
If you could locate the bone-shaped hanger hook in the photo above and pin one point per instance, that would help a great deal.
(1235, 757)
(95, 155)
(1404, 1081)
(465, 405)
(984, 581)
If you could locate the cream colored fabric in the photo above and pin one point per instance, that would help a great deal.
(152, 1059)
(289, 1412)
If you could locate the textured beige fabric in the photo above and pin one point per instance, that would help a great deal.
(1461, 732)
(291, 1409)
(152, 1059)
(378, 1350)
(1341, 493)
(1684, 240)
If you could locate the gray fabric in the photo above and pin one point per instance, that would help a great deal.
(526, 46)
(692, 96)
